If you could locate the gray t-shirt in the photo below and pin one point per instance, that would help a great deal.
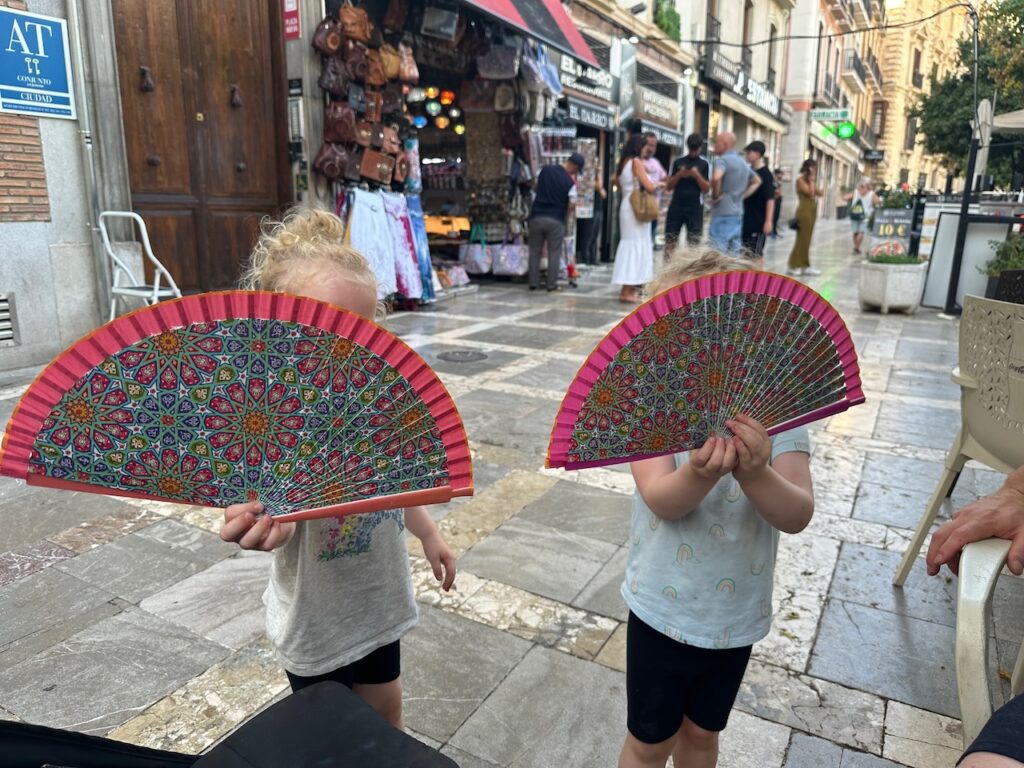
(734, 182)
(706, 579)
(339, 589)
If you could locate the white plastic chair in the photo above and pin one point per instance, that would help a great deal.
(991, 379)
(135, 288)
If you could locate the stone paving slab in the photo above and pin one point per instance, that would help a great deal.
(34, 513)
(593, 512)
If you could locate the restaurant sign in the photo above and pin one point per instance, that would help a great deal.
(730, 75)
(593, 81)
(651, 105)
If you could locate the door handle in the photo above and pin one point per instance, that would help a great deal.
(236, 96)
(146, 84)
(241, 167)
(153, 160)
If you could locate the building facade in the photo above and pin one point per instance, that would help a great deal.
(914, 57)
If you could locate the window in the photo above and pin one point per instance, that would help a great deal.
(878, 111)
(773, 33)
(910, 139)
(904, 175)
(748, 19)
(917, 61)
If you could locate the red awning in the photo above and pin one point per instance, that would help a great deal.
(545, 20)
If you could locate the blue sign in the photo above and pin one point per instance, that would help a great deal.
(35, 68)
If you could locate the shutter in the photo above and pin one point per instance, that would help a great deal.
(7, 337)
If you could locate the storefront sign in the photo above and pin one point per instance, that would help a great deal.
(651, 105)
(824, 133)
(290, 15)
(599, 83)
(729, 74)
(590, 114)
(35, 68)
(624, 54)
(830, 115)
(874, 155)
(663, 135)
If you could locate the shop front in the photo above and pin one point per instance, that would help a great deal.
(436, 118)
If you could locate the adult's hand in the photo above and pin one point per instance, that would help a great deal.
(1000, 516)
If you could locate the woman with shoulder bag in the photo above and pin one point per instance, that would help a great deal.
(808, 192)
(634, 257)
(862, 204)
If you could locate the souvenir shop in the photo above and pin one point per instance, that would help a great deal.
(438, 116)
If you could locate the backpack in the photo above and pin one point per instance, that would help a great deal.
(857, 210)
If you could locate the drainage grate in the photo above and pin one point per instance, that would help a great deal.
(7, 338)
(462, 356)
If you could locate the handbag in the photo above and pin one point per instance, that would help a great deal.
(377, 166)
(510, 127)
(355, 23)
(330, 161)
(375, 74)
(364, 134)
(501, 62)
(474, 255)
(408, 72)
(356, 62)
(512, 259)
(334, 76)
(643, 203)
(389, 140)
(328, 37)
(339, 123)
(391, 61)
(353, 163)
(477, 95)
(550, 72)
(794, 223)
(401, 169)
(356, 97)
(440, 20)
(392, 99)
(395, 16)
(857, 210)
(374, 111)
(530, 70)
(504, 98)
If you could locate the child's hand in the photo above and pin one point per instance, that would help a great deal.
(441, 559)
(716, 458)
(244, 525)
(753, 446)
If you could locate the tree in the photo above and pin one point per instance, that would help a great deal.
(944, 115)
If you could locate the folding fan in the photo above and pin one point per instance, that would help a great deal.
(675, 370)
(229, 397)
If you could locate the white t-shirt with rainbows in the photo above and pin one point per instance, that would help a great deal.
(706, 579)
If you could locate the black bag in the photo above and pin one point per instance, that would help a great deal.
(857, 211)
(794, 223)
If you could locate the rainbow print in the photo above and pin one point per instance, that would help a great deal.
(684, 553)
(717, 531)
(670, 592)
(726, 585)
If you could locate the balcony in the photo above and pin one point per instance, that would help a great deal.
(827, 94)
(861, 11)
(853, 71)
(873, 70)
(747, 58)
(917, 80)
(866, 135)
(771, 79)
(841, 13)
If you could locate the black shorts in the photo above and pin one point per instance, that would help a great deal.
(667, 680)
(1002, 733)
(753, 243)
(691, 218)
(380, 666)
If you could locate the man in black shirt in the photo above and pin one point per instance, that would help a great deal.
(554, 195)
(759, 208)
(688, 182)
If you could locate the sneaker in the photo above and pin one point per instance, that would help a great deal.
(794, 272)
(812, 271)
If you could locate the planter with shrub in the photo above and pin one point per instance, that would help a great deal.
(890, 279)
(1009, 257)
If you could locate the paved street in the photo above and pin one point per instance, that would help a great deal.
(133, 619)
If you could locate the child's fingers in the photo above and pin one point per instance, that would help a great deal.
(435, 565)
(277, 535)
(449, 570)
(238, 520)
(256, 533)
(729, 459)
(741, 430)
(743, 454)
(753, 423)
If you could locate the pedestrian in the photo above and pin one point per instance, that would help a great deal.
(778, 203)
(689, 181)
(807, 192)
(758, 208)
(732, 182)
(553, 198)
(634, 256)
(655, 172)
(1001, 516)
(698, 583)
(862, 204)
(340, 595)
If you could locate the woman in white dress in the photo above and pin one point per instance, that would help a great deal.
(634, 258)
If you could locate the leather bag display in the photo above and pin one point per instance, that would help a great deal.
(339, 123)
(408, 71)
(504, 98)
(391, 61)
(364, 134)
(390, 142)
(327, 38)
(501, 62)
(355, 61)
(353, 162)
(330, 161)
(334, 76)
(374, 111)
(357, 97)
(395, 15)
(477, 95)
(375, 74)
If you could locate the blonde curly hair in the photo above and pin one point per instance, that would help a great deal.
(687, 264)
(301, 248)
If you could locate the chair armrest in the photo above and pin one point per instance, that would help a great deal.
(980, 564)
(962, 379)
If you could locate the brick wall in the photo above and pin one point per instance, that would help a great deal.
(23, 195)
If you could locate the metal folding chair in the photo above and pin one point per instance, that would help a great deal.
(123, 281)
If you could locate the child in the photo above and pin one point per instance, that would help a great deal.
(340, 593)
(698, 580)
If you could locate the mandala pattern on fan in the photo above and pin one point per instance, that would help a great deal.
(677, 381)
(246, 397)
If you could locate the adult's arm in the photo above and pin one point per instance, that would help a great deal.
(641, 175)
(753, 183)
(999, 516)
(703, 183)
(675, 178)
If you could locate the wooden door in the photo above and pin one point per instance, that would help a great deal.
(203, 97)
